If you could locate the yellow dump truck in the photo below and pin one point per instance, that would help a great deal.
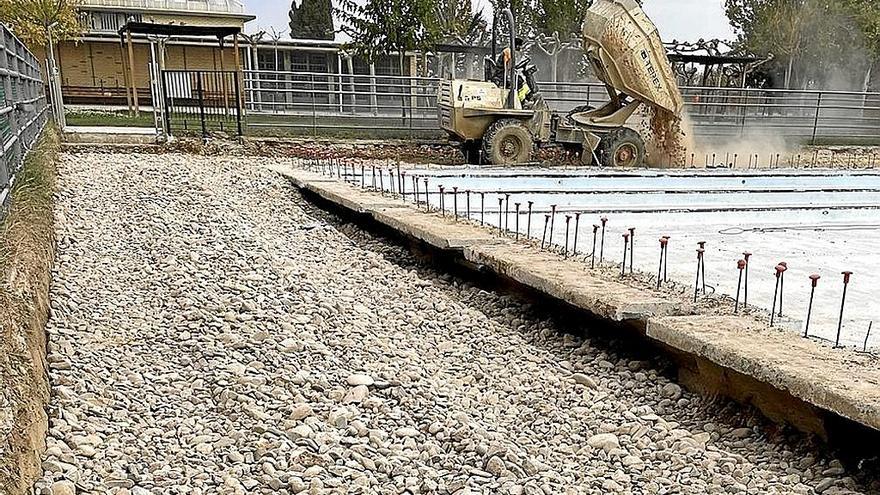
(502, 119)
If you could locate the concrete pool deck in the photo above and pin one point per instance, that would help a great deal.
(789, 378)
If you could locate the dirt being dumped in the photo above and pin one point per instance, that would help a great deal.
(670, 139)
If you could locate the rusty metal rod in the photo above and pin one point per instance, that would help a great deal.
(593, 254)
(544, 236)
(741, 265)
(699, 264)
(516, 221)
(814, 278)
(632, 247)
(500, 226)
(567, 222)
(846, 277)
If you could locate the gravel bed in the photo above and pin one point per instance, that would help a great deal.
(212, 332)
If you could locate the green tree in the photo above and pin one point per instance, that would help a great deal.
(312, 20)
(867, 16)
(560, 16)
(524, 14)
(32, 20)
(810, 39)
(455, 20)
(380, 27)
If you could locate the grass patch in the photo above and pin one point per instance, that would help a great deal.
(108, 118)
(26, 255)
(31, 202)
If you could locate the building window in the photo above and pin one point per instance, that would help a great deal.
(309, 62)
(110, 21)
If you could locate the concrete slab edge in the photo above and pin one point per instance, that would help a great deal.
(825, 383)
(663, 318)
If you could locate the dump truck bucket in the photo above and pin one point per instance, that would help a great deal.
(627, 55)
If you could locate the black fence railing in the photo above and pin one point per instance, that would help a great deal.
(202, 101)
(314, 102)
(23, 113)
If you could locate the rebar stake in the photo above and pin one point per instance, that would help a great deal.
(593, 254)
(416, 199)
(507, 212)
(625, 245)
(663, 242)
(516, 221)
(740, 265)
(544, 235)
(703, 264)
(402, 178)
(500, 225)
(846, 277)
(779, 270)
(814, 281)
(632, 247)
(700, 252)
(782, 285)
(567, 222)
(604, 220)
(665, 256)
(529, 221)
(427, 197)
(746, 256)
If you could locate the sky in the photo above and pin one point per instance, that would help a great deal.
(682, 20)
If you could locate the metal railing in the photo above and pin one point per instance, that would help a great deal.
(201, 101)
(312, 101)
(219, 6)
(23, 113)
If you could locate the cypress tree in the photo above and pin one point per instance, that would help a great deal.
(311, 19)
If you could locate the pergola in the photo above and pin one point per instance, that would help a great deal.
(711, 61)
(167, 31)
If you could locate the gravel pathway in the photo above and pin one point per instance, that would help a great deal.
(212, 332)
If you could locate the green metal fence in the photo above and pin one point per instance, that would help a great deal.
(23, 112)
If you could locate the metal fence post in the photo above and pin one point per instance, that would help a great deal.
(6, 168)
(24, 108)
(237, 103)
(201, 91)
(163, 75)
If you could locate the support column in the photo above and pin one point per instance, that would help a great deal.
(134, 95)
(125, 81)
(223, 87)
(238, 72)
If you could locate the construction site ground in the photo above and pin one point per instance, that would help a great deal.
(214, 332)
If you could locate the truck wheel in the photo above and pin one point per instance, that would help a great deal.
(622, 148)
(471, 151)
(508, 142)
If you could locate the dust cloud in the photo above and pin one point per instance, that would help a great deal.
(671, 143)
(669, 138)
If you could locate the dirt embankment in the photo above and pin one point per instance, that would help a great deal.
(26, 256)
